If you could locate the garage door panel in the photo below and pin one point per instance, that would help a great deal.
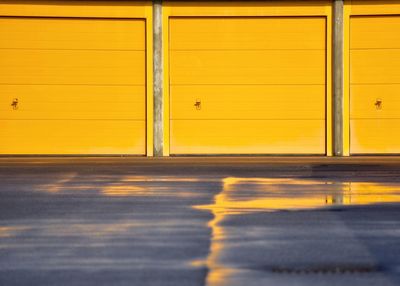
(248, 67)
(375, 101)
(72, 67)
(79, 84)
(239, 85)
(73, 102)
(247, 136)
(374, 32)
(73, 33)
(247, 33)
(259, 102)
(378, 136)
(378, 66)
(60, 137)
(374, 84)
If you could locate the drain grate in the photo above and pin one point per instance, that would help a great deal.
(328, 269)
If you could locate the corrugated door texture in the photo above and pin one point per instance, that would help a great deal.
(375, 84)
(72, 86)
(247, 85)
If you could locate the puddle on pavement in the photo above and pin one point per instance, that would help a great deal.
(132, 186)
(125, 186)
(244, 195)
(250, 195)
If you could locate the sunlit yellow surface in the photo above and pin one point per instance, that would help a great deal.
(215, 96)
(247, 195)
(250, 90)
(247, 136)
(74, 8)
(242, 12)
(80, 86)
(247, 8)
(374, 7)
(374, 84)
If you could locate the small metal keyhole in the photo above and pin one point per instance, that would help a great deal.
(198, 104)
(378, 103)
(14, 103)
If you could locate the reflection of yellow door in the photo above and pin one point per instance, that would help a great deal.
(247, 85)
(375, 84)
(72, 86)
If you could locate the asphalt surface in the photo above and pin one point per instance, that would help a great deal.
(200, 221)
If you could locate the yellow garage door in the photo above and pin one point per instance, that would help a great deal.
(247, 85)
(375, 84)
(72, 86)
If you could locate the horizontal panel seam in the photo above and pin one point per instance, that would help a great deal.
(374, 118)
(379, 83)
(367, 49)
(71, 119)
(190, 50)
(102, 50)
(247, 119)
(245, 84)
(68, 84)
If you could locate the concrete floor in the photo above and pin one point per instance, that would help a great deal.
(200, 221)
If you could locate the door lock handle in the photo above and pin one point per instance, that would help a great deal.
(198, 104)
(378, 103)
(14, 104)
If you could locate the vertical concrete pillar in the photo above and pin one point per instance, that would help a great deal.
(158, 78)
(338, 83)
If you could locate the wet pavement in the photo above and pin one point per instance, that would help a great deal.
(200, 221)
